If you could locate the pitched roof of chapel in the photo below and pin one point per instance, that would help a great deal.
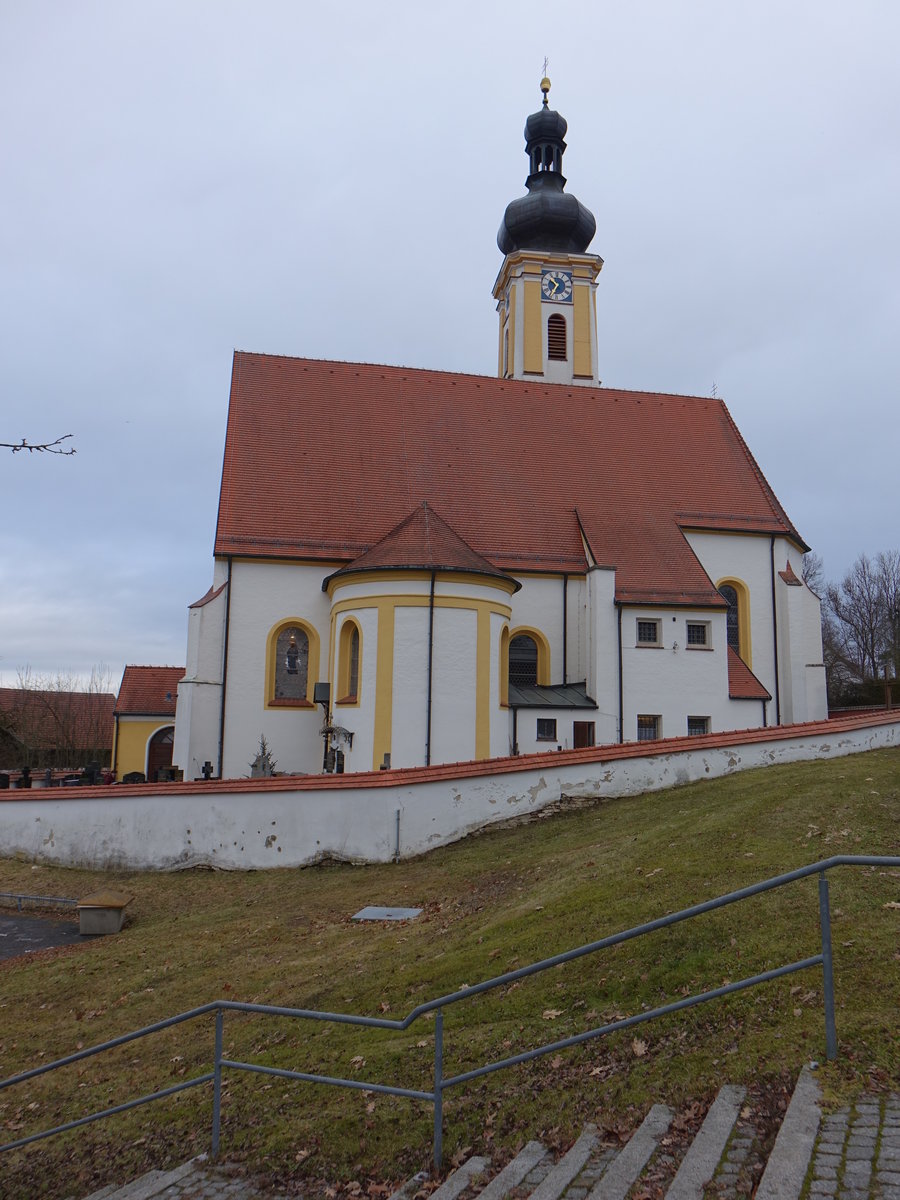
(148, 691)
(424, 541)
(324, 459)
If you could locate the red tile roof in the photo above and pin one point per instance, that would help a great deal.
(323, 459)
(742, 683)
(149, 691)
(423, 541)
(48, 720)
(790, 577)
(208, 595)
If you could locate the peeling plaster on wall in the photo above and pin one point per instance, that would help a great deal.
(144, 829)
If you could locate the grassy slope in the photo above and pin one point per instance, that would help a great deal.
(491, 903)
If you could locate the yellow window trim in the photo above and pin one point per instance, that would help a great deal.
(504, 667)
(543, 653)
(348, 626)
(745, 649)
(312, 668)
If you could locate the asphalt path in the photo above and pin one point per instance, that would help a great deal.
(20, 934)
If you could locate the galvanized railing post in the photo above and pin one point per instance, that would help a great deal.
(827, 968)
(438, 1089)
(217, 1083)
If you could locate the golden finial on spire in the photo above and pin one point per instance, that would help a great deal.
(545, 82)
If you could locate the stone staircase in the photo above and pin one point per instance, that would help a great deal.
(851, 1155)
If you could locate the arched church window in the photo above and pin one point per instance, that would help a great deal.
(523, 661)
(556, 337)
(737, 618)
(732, 624)
(348, 663)
(291, 664)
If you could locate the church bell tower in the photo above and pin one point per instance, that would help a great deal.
(546, 289)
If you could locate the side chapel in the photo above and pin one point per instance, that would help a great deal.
(491, 566)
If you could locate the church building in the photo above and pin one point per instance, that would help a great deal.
(417, 567)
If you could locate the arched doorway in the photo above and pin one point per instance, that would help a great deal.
(159, 752)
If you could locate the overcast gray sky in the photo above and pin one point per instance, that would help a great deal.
(186, 177)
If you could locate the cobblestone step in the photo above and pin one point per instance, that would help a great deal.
(849, 1155)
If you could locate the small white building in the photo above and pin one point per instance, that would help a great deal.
(418, 567)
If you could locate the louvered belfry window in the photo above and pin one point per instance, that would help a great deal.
(556, 337)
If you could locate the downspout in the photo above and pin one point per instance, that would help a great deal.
(565, 626)
(515, 713)
(115, 755)
(621, 687)
(430, 667)
(775, 636)
(224, 670)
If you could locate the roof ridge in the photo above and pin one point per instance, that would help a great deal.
(495, 379)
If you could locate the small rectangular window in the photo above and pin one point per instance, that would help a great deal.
(698, 635)
(648, 633)
(648, 728)
(546, 729)
(697, 726)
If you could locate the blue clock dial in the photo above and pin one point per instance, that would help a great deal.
(557, 285)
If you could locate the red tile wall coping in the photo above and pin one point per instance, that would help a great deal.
(834, 726)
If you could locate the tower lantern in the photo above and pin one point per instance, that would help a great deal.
(545, 291)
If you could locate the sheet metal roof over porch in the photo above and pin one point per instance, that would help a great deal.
(563, 695)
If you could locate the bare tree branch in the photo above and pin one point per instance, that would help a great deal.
(40, 447)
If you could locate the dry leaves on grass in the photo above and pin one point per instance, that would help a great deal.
(550, 1014)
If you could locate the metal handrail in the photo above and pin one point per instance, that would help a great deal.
(441, 1082)
(20, 896)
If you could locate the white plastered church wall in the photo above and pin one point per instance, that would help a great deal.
(747, 558)
(603, 653)
(539, 606)
(668, 680)
(199, 703)
(756, 560)
(358, 718)
(263, 596)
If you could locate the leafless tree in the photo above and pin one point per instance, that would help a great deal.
(58, 721)
(814, 572)
(55, 447)
(863, 614)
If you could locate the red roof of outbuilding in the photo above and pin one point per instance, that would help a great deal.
(323, 459)
(53, 719)
(149, 691)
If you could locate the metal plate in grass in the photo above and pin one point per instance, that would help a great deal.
(374, 912)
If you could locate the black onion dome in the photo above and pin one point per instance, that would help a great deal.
(547, 218)
(545, 124)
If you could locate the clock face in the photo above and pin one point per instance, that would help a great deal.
(557, 285)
